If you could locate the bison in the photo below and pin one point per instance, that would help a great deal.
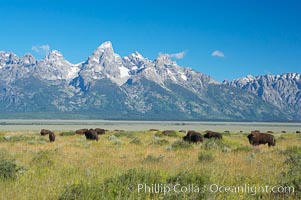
(91, 134)
(270, 132)
(193, 136)
(51, 136)
(257, 138)
(153, 129)
(45, 132)
(81, 131)
(211, 134)
(100, 131)
(298, 132)
(169, 132)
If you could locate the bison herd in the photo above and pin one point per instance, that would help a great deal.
(193, 136)
(255, 137)
(91, 134)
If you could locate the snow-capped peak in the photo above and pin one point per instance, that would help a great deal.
(28, 60)
(104, 46)
(54, 54)
(137, 55)
(164, 59)
(8, 58)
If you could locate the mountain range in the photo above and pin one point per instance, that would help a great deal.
(108, 86)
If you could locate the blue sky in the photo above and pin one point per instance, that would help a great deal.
(247, 37)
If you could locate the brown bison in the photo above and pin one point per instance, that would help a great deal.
(51, 136)
(270, 132)
(153, 129)
(182, 131)
(257, 138)
(193, 136)
(81, 131)
(298, 132)
(100, 131)
(91, 134)
(169, 132)
(45, 132)
(211, 134)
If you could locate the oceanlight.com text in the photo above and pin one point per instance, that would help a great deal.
(212, 188)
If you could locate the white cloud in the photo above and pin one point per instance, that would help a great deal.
(42, 49)
(218, 53)
(179, 55)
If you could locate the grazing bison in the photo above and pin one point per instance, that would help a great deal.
(168, 132)
(298, 132)
(91, 134)
(257, 138)
(51, 136)
(100, 131)
(81, 131)
(270, 132)
(153, 129)
(211, 134)
(45, 132)
(193, 136)
(118, 130)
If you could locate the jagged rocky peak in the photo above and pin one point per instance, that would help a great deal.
(105, 47)
(29, 60)
(135, 61)
(54, 55)
(103, 53)
(136, 56)
(8, 58)
(164, 59)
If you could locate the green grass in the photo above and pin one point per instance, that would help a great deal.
(74, 168)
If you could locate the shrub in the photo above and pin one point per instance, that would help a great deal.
(136, 140)
(125, 186)
(16, 138)
(67, 133)
(9, 169)
(184, 179)
(243, 148)
(169, 133)
(159, 135)
(158, 141)
(151, 158)
(73, 192)
(214, 144)
(40, 140)
(180, 144)
(205, 156)
(42, 159)
(293, 176)
(125, 134)
(115, 140)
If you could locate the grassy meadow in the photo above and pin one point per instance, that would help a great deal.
(73, 168)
